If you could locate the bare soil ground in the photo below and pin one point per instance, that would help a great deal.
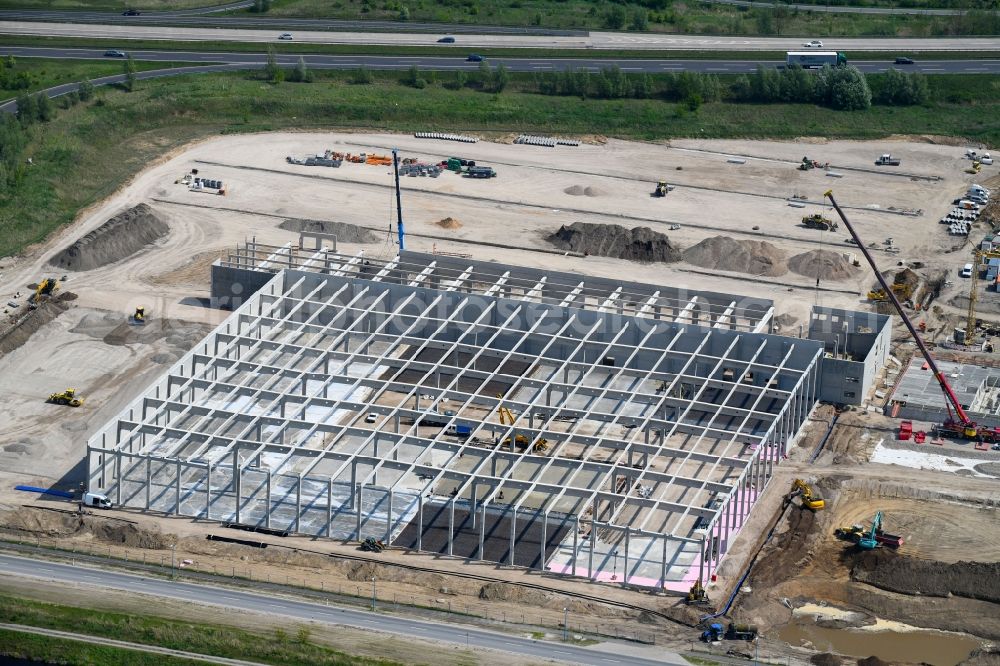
(88, 346)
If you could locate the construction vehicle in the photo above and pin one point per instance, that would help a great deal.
(139, 318)
(662, 188)
(887, 160)
(507, 419)
(810, 500)
(67, 397)
(734, 632)
(817, 221)
(852, 533)
(480, 172)
(975, 168)
(867, 541)
(697, 594)
(808, 164)
(97, 500)
(373, 545)
(900, 289)
(958, 424)
(45, 288)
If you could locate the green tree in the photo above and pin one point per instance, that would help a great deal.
(130, 70)
(266, 6)
(404, 13)
(843, 88)
(615, 18)
(640, 21)
(301, 73)
(272, 72)
(413, 78)
(45, 110)
(796, 85)
(642, 86)
(501, 78)
(86, 90)
(362, 76)
(27, 109)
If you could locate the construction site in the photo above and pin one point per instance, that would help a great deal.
(662, 375)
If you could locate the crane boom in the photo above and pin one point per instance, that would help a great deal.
(952, 402)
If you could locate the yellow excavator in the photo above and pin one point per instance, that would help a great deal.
(45, 288)
(662, 188)
(67, 397)
(810, 500)
(139, 318)
(507, 418)
(697, 594)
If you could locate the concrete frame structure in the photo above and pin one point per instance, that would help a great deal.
(919, 397)
(856, 346)
(333, 401)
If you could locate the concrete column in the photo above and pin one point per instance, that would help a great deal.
(451, 525)
(177, 490)
(701, 563)
(513, 532)
(725, 517)
(576, 544)
(354, 484)
(329, 508)
(663, 565)
(236, 481)
(420, 522)
(388, 520)
(357, 510)
(208, 492)
(472, 504)
(298, 502)
(118, 477)
(590, 557)
(482, 531)
(545, 521)
(267, 500)
(628, 534)
(149, 476)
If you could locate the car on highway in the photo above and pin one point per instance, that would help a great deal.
(114, 53)
(446, 40)
(285, 35)
(475, 57)
(814, 44)
(130, 12)
(903, 60)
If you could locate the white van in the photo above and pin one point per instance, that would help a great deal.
(98, 500)
(966, 271)
(979, 189)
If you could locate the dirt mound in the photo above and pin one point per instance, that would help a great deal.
(345, 233)
(825, 264)
(449, 223)
(588, 191)
(906, 575)
(785, 320)
(748, 256)
(127, 534)
(873, 661)
(118, 238)
(610, 240)
(825, 659)
(18, 330)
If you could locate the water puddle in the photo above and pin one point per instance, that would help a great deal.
(891, 641)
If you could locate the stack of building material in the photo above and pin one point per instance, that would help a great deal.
(446, 137)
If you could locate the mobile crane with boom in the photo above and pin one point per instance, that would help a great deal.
(958, 423)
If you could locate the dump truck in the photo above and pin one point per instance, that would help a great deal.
(886, 159)
(817, 221)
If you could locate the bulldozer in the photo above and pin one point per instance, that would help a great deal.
(810, 500)
(139, 318)
(67, 397)
(662, 188)
(817, 221)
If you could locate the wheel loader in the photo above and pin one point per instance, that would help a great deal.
(139, 318)
(662, 188)
(817, 221)
(67, 397)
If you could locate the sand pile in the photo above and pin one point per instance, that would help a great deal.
(345, 233)
(580, 191)
(610, 240)
(825, 264)
(117, 239)
(449, 223)
(906, 575)
(747, 256)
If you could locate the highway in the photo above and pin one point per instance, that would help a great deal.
(464, 43)
(441, 63)
(271, 604)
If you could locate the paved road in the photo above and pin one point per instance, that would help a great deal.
(465, 43)
(301, 610)
(139, 647)
(251, 60)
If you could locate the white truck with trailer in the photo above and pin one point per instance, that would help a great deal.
(810, 59)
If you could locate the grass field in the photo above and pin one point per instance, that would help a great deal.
(33, 74)
(89, 150)
(290, 647)
(45, 649)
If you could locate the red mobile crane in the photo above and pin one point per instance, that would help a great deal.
(958, 423)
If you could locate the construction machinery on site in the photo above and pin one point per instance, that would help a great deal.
(867, 541)
(373, 545)
(662, 188)
(852, 533)
(806, 164)
(67, 397)
(958, 424)
(507, 419)
(810, 500)
(45, 288)
(697, 594)
(900, 289)
(139, 317)
(817, 221)
(734, 632)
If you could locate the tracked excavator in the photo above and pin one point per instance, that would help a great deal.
(810, 500)
(507, 418)
(958, 424)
